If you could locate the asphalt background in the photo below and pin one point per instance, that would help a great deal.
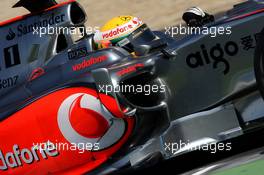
(156, 13)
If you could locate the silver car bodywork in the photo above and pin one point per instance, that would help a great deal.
(211, 97)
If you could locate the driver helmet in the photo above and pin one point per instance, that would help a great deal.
(120, 30)
(196, 17)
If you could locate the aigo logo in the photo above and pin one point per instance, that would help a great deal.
(82, 119)
(215, 55)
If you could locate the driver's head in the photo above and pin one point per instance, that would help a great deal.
(117, 31)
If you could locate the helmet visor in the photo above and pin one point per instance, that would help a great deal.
(142, 35)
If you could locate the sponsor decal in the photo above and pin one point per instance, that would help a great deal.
(78, 53)
(96, 125)
(11, 35)
(214, 56)
(8, 82)
(23, 29)
(249, 42)
(126, 18)
(89, 62)
(36, 73)
(130, 69)
(19, 157)
(119, 31)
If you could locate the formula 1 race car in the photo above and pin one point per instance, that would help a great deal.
(69, 108)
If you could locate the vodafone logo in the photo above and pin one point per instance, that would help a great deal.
(119, 31)
(82, 119)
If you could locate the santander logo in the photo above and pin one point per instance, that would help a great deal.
(82, 119)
